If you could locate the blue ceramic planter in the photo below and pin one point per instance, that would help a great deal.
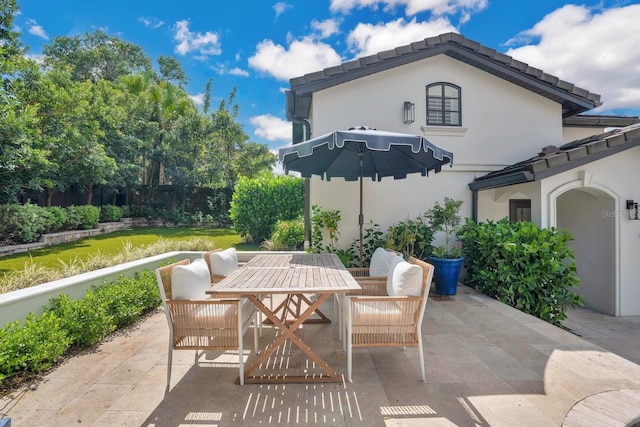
(445, 274)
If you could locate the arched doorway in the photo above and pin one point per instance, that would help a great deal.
(589, 215)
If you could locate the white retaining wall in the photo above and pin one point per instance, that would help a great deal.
(16, 305)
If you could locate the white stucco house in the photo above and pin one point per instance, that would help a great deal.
(523, 148)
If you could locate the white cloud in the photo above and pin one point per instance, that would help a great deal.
(35, 29)
(222, 69)
(596, 50)
(272, 128)
(198, 99)
(368, 39)
(281, 7)
(303, 56)
(327, 27)
(437, 7)
(38, 58)
(151, 22)
(239, 72)
(204, 44)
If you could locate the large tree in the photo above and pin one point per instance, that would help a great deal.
(21, 158)
(96, 56)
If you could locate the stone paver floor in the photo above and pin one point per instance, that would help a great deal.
(487, 365)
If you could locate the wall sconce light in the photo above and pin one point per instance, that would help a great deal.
(409, 112)
(632, 209)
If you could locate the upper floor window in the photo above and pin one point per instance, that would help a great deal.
(443, 105)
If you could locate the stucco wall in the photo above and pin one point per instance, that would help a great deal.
(501, 123)
(616, 176)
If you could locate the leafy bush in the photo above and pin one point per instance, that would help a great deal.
(55, 218)
(83, 217)
(34, 347)
(39, 343)
(110, 213)
(372, 238)
(288, 235)
(257, 204)
(521, 265)
(412, 237)
(21, 223)
(129, 297)
(87, 321)
(325, 222)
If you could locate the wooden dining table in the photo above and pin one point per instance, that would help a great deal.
(295, 277)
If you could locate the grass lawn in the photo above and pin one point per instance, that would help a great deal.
(113, 243)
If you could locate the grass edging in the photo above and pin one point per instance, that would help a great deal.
(16, 305)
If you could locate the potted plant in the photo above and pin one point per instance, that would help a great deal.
(447, 259)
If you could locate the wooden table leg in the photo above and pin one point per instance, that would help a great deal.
(284, 308)
(288, 332)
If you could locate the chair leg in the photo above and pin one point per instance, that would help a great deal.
(169, 361)
(421, 353)
(349, 354)
(241, 357)
(255, 335)
(348, 339)
(337, 314)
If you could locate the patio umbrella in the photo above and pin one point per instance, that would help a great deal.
(364, 152)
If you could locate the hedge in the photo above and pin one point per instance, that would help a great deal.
(37, 344)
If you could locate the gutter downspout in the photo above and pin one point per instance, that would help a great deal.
(307, 184)
(474, 205)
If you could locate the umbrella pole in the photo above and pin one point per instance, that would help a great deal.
(361, 217)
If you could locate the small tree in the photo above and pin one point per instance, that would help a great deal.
(445, 218)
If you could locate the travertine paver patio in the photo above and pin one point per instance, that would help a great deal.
(487, 365)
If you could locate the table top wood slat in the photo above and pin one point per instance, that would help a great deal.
(287, 273)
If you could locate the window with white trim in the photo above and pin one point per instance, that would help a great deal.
(444, 104)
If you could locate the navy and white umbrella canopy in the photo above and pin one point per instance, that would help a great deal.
(362, 152)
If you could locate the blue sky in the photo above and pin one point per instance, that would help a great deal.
(257, 45)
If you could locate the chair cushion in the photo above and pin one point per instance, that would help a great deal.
(406, 280)
(397, 259)
(190, 281)
(223, 263)
(380, 262)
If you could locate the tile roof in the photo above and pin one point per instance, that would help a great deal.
(574, 99)
(553, 160)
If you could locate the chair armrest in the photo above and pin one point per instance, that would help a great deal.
(377, 310)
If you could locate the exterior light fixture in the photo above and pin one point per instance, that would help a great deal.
(409, 112)
(632, 209)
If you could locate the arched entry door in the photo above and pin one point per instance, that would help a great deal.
(589, 216)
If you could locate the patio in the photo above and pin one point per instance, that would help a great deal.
(487, 364)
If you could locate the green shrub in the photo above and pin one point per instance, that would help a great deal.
(55, 218)
(521, 265)
(412, 237)
(288, 235)
(257, 204)
(372, 239)
(83, 217)
(87, 321)
(34, 347)
(128, 298)
(21, 223)
(126, 211)
(110, 213)
(40, 342)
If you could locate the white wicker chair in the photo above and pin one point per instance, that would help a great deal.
(382, 320)
(207, 324)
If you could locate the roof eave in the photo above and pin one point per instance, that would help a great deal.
(573, 99)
